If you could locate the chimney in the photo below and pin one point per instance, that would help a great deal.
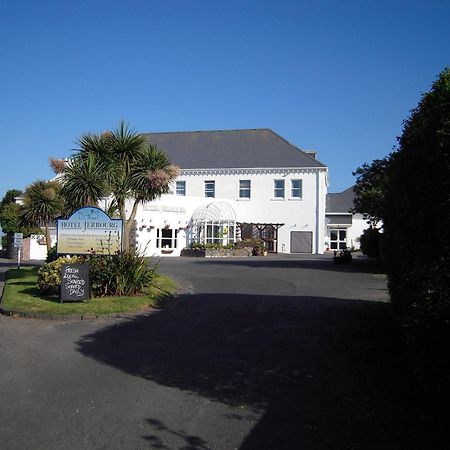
(311, 153)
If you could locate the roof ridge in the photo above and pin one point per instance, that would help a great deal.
(210, 131)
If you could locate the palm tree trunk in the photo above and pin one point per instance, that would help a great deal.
(129, 225)
(123, 216)
(47, 237)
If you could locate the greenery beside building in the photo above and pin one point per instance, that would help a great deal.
(410, 192)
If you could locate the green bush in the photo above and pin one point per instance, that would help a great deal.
(51, 254)
(254, 243)
(416, 223)
(49, 276)
(215, 246)
(127, 273)
(370, 242)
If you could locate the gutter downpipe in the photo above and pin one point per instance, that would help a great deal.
(317, 212)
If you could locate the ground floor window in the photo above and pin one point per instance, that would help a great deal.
(338, 239)
(166, 238)
(221, 233)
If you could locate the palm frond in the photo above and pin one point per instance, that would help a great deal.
(84, 181)
(151, 174)
(127, 145)
(42, 203)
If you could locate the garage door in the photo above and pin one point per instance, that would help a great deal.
(301, 241)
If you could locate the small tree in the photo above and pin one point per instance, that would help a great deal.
(370, 188)
(121, 165)
(10, 197)
(9, 217)
(42, 204)
(9, 214)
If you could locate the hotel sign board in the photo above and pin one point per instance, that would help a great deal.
(89, 231)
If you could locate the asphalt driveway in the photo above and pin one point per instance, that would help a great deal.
(277, 353)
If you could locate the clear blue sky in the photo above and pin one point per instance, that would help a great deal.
(335, 76)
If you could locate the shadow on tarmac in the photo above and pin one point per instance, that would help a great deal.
(323, 372)
(359, 265)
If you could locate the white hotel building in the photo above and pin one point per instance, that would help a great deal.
(234, 185)
(241, 184)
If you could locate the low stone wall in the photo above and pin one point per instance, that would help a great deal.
(217, 253)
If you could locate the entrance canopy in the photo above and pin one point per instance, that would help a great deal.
(214, 211)
(214, 223)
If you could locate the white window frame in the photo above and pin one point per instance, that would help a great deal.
(299, 189)
(277, 189)
(180, 187)
(245, 191)
(160, 238)
(210, 190)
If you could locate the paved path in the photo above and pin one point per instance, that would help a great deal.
(276, 353)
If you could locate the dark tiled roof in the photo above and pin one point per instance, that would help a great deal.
(340, 202)
(260, 148)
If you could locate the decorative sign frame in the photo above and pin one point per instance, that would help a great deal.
(89, 231)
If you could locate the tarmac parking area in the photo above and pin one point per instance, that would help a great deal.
(271, 352)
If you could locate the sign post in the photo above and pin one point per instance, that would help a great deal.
(18, 239)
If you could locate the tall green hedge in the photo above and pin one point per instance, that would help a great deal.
(416, 233)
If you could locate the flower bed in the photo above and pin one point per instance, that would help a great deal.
(217, 252)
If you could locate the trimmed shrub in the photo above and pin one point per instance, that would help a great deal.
(215, 246)
(254, 243)
(49, 276)
(416, 223)
(370, 242)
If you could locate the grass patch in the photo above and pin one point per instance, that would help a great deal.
(21, 295)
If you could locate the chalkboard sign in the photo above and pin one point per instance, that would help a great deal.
(74, 282)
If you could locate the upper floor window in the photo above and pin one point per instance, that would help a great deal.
(278, 188)
(180, 188)
(244, 188)
(296, 188)
(210, 188)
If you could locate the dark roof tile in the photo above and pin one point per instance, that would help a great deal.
(340, 202)
(232, 149)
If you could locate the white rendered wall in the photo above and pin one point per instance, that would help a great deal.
(356, 230)
(170, 211)
(305, 214)
(38, 249)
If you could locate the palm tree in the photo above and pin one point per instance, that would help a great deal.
(42, 203)
(121, 165)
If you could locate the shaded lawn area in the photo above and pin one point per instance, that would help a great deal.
(21, 295)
